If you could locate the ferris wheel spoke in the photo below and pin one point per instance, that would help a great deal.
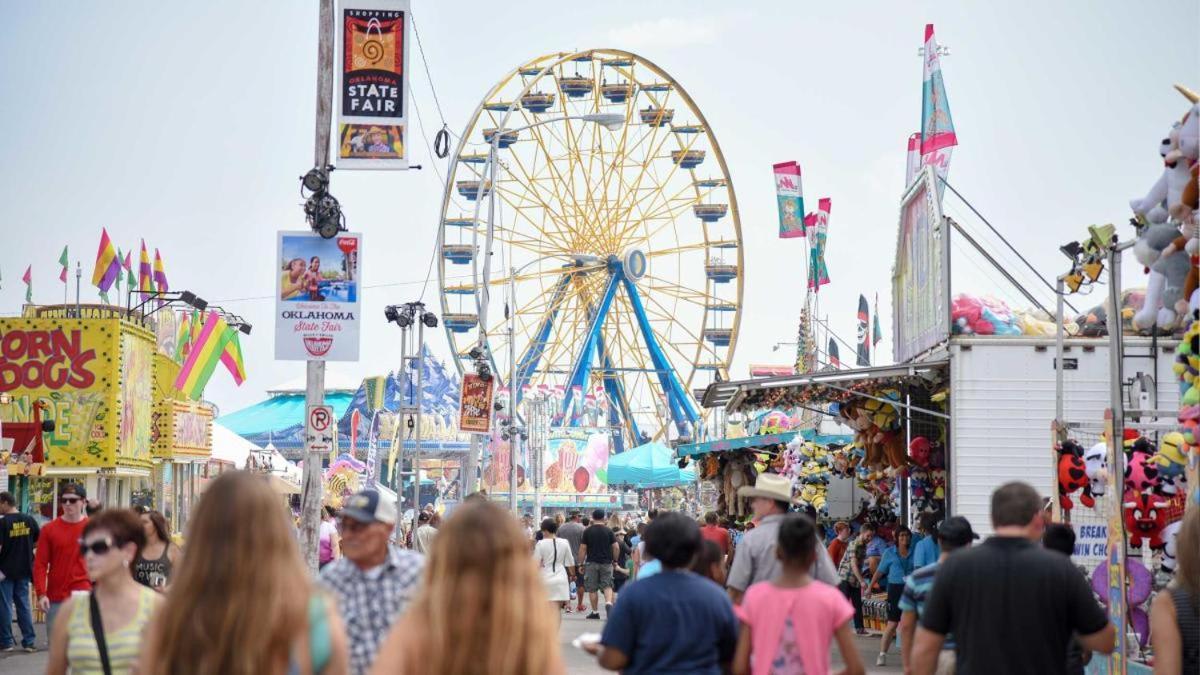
(633, 223)
(550, 235)
(702, 346)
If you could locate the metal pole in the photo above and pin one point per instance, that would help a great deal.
(514, 444)
(1115, 345)
(78, 277)
(1060, 289)
(398, 469)
(470, 468)
(314, 392)
(419, 361)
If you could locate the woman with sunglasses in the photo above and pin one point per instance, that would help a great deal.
(101, 632)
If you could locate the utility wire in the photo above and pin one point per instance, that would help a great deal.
(429, 78)
(365, 287)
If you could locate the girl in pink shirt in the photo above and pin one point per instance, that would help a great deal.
(788, 623)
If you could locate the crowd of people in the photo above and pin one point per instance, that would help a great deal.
(484, 592)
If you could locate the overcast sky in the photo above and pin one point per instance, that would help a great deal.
(189, 123)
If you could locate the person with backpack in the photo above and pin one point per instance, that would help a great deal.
(788, 623)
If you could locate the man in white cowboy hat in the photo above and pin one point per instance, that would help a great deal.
(755, 560)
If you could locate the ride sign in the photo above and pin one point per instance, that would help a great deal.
(317, 297)
(475, 405)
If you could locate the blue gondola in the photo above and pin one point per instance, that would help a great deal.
(461, 289)
(474, 158)
(618, 62)
(498, 106)
(506, 139)
(710, 213)
(531, 70)
(583, 58)
(711, 182)
(617, 93)
(458, 222)
(470, 189)
(688, 129)
(536, 102)
(721, 273)
(657, 117)
(577, 86)
(459, 254)
(720, 337)
(720, 306)
(657, 86)
(687, 159)
(460, 323)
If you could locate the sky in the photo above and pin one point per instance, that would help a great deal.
(188, 124)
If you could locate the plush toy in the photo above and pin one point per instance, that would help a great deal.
(1145, 519)
(937, 479)
(1141, 475)
(814, 496)
(891, 444)
(885, 416)
(1179, 160)
(1170, 458)
(1095, 462)
(919, 449)
(972, 315)
(1168, 271)
(1072, 476)
(1152, 207)
(1169, 533)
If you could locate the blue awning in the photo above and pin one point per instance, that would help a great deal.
(279, 419)
(651, 465)
(765, 440)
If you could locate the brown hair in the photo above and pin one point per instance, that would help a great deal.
(241, 604)
(160, 526)
(481, 588)
(1015, 503)
(123, 524)
(1187, 552)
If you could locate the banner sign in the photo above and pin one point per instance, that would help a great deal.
(863, 357)
(790, 195)
(373, 84)
(937, 128)
(818, 223)
(920, 290)
(475, 405)
(317, 297)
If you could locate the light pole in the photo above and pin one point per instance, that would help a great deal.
(405, 316)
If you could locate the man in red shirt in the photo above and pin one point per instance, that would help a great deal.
(58, 569)
(715, 533)
(837, 547)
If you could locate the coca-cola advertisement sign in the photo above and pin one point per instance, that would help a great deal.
(318, 301)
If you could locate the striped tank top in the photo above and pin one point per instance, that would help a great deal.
(124, 644)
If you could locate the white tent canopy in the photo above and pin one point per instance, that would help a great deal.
(228, 446)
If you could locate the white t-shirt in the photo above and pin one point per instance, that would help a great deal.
(553, 557)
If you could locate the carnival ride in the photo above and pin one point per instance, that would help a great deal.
(619, 240)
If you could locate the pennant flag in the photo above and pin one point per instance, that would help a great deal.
(863, 358)
(28, 279)
(914, 159)
(790, 195)
(65, 261)
(145, 285)
(877, 332)
(108, 264)
(204, 356)
(130, 280)
(231, 356)
(376, 389)
(183, 336)
(195, 327)
(355, 420)
(833, 355)
(160, 274)
(937, 129)
(818, 272)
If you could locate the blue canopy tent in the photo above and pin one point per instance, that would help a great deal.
(652, 465)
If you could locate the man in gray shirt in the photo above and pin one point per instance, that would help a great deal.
(572, 531)
(755, 559)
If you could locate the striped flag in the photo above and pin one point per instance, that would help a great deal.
(937, 128)
(28, 279)
(231, 356)
(65, 261)
(145, 282)
(108, 264)
(863, 357)
(160, 274)
(203, 357)
(183, 336)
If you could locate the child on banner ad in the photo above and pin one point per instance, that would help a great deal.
(372, 114)
(317, 300)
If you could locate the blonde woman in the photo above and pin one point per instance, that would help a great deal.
(244, 603)
(482, 608)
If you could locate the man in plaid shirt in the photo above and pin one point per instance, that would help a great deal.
(373, 581)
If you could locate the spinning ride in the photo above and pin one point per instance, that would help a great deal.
(615, 227)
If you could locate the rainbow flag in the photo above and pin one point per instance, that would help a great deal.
(203, 356)
(232, 357)
(130, 280)
(145, 284)
(108, 264)
(183, 336)
(160, 274)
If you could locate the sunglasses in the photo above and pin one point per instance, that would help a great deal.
(69, 500)
(98, 547)
(352, 525)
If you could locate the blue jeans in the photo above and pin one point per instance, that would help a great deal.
(15, 592)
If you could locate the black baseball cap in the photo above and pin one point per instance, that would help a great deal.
(370, 506)
(73, 489)
(956, 531)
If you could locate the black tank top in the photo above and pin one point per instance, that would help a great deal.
(1187, 617)
(153, 573)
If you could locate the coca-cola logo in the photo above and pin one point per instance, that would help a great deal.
(45, 359)
(318, 345)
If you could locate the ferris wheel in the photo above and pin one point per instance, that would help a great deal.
(600, 191)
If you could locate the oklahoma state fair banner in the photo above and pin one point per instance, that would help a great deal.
(790, 196)
(372, 99)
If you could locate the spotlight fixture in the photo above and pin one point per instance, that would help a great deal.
(483, 371)
(1071, 249)
(324, 215)
(405, 320)
(476, 353)
(429, 319)
(391, 314)
(245, 327)
(315, 180)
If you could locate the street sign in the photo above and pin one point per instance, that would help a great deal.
(320, 428)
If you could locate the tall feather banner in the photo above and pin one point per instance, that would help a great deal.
(863, 357)
(937, 128)
(818, 272)
(790, 195)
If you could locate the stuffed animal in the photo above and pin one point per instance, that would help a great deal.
(1179, 160)
(1140, 474)
(891, 444)
(1145, 519)
(1167, 275)
(885, 416)
(1152, 207)
(1095, 462)
(1170, 458)
(937, 479)
(918, 450)
(1169, 533)
(1072, 476)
